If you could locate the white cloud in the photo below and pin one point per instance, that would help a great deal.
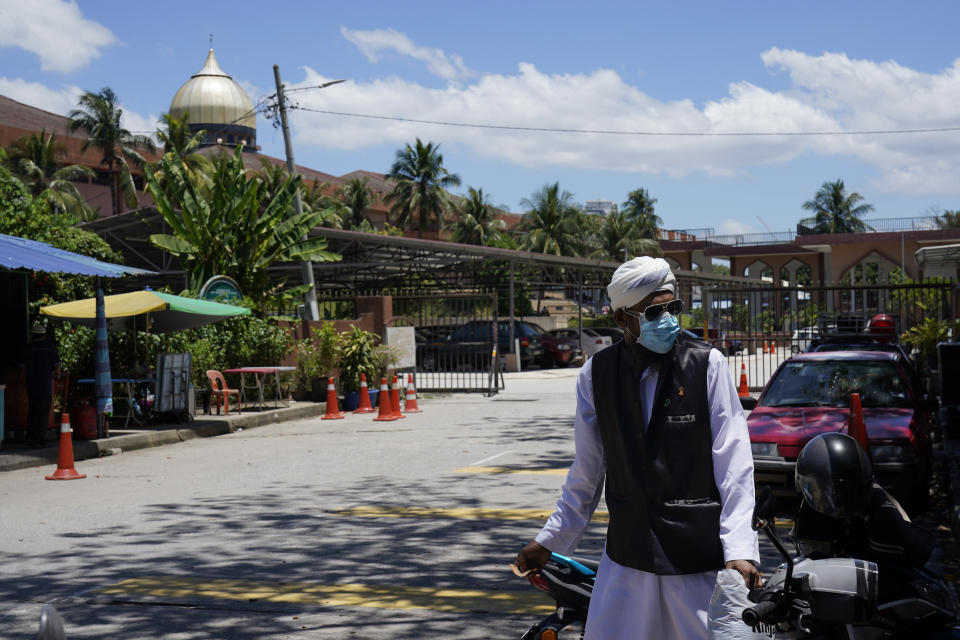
(64, 100)
(60, 101)
(829, 93)
(375, 42)
(730, 227)
(55, 30)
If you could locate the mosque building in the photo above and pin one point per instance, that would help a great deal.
(214, 102)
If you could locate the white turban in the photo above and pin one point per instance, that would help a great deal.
(635, 280)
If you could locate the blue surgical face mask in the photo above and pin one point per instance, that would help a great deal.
(660, 334)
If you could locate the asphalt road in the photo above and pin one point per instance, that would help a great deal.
(311, 529)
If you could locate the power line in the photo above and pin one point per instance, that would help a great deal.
(630, 133)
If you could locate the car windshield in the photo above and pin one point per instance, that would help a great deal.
(830, 383)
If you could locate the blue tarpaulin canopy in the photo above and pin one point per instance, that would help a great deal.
(20, 253)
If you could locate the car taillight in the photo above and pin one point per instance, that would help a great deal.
(599, 341)
(524, 342)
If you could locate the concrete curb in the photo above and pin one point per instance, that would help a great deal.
(206, 427)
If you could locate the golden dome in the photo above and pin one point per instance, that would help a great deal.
(215, 102)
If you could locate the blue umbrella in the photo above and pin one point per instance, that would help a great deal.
(104, 384)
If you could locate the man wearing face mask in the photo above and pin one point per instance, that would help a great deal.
(658, 424)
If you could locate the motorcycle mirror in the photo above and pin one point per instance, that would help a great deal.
(51, 624)
(763, 511)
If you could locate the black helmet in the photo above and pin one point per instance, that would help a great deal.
(834, 475)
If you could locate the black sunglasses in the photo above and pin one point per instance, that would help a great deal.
(654, 311)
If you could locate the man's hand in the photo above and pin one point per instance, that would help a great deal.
(751, 577)
(532, 557)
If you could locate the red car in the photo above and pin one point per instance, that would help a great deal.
(809, 394)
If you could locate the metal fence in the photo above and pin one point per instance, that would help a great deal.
(758, 328)
(455, 339)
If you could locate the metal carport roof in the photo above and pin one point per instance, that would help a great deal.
(21, 253)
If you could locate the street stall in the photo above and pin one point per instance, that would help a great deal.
(154, 312)
(19, 257)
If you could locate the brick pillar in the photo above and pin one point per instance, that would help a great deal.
(380, 307)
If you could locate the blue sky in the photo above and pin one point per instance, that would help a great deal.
(672, 67)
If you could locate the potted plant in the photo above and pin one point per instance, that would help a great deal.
(925, 337)
(384, 359)
(317, 357)
(356, 357)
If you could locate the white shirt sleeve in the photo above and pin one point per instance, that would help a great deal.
(584, 484)
(732, 463)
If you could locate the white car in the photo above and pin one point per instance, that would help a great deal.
(802, 338)
(591, 341)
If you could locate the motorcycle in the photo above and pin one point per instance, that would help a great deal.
(838, 598)
(570, 583)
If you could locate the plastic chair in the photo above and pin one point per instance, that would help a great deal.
(219, 390)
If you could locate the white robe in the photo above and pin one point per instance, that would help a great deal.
(632, 604)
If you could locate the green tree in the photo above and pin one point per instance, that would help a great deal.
(949, 219)
(618, 239)
(836, 212)
(36, 160)
(552, 223)
(358, 197)
(177, 138)
(99, 114)
(640, 211)
(420, 184)
(476, 221)
(232, 228)
(24, 216)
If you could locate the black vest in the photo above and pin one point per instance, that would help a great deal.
(660, 491)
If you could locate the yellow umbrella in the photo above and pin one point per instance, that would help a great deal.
(167, 312)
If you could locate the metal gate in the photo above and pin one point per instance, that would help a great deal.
(758, 328)
(456, 337)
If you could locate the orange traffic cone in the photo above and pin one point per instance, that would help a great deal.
(856, 428)
(333, 409)
(765, 348)
(743, 390)
(410, 400)
(65, 470)
(386, 413)
(365, 406)
(395, 399)
(773, 346)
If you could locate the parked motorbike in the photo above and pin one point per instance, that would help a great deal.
(570, 583)
(838, 598)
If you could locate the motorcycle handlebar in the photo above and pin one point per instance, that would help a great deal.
(753, 615)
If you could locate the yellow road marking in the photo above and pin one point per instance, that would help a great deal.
(334, 595)
(531, 472)
(464, 513)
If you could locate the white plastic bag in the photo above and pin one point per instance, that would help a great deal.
(726, 605)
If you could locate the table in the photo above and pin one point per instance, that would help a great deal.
(130, 384)
(260, 375)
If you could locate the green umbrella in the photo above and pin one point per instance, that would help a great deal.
(167, 312)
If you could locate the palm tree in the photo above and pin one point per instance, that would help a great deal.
(177, 138)
(552, 223)
(639, 210)
(99, 115)
(35, 159)
(357, 196)
(619, 239)
(476, 222)
(420, 183)
(335, 214)
(835, 211)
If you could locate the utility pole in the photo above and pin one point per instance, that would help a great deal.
(306, 266)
